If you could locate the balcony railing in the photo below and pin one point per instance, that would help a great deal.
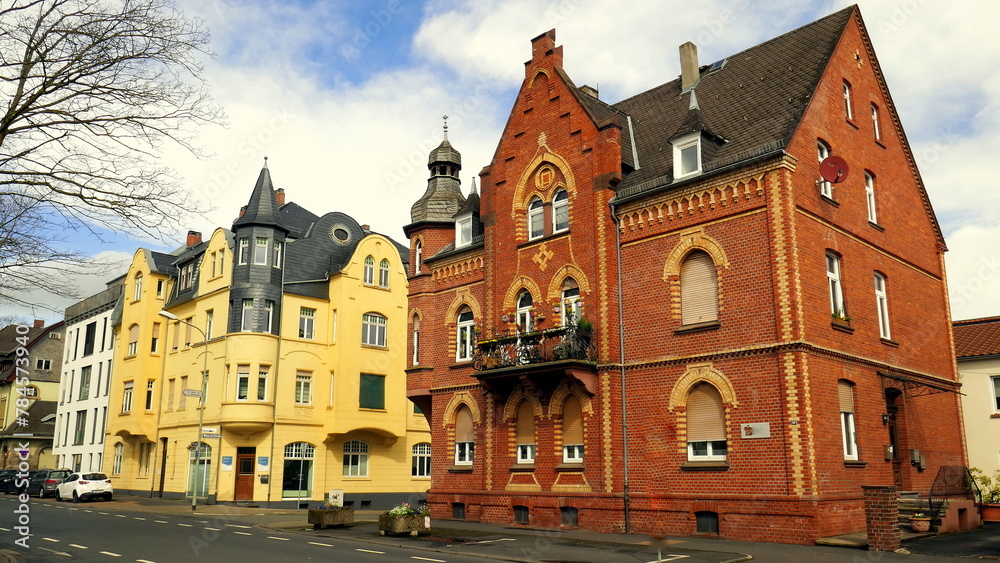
(551, 345)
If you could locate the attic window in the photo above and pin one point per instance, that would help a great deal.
(339, 233)
(717, 65)
(463, 231)
(687, 155)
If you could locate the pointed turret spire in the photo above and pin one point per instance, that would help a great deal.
(262, 209)
(444, 191)
(473, 186)
(694, 101)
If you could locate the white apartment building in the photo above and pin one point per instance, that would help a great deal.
(82, 414)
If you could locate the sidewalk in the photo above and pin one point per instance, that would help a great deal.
(514, 543)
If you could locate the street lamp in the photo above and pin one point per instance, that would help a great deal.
(201, 413)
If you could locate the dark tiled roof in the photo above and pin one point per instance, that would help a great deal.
(36, 412)
(263, 206)
(445, 153)
(756, 100)
(9, 336)
(297, 219)
(977, 337)
(471, 205)
(161, 263)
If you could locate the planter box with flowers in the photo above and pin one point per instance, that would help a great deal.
(919, 522)
(989, 490)
(327, 514)
(403, 519)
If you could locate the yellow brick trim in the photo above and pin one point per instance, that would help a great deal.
(695, 374)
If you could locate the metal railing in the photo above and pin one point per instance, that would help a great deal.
(519, 349)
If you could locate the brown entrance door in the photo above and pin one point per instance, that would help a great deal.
(245, 460)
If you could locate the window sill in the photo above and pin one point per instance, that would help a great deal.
(879, 143)
(995, 415)
(842, 326)
(374, 347)
(370, 409)
(522, 468)
(705, 466)
(698, 327)
(876, 226)
(830, 200)
(851, 122)
(570, 467)
(855, 464)
(543, 238)
(419, 368)
(890, 342)
(460, 469)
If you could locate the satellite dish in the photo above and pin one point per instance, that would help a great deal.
(833, 169)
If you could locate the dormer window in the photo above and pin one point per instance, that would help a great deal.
(463, 231)
(687, 155)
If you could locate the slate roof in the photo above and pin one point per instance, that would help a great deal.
(9, 336)
(263, 206)
(37, 411)
(297, 219)
(755, 102)
(977, 337)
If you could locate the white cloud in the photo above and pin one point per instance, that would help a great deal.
(974, 272)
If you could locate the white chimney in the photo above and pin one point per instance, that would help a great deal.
(689, 66)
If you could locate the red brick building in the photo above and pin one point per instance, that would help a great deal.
(754, 337)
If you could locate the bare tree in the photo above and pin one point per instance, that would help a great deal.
(93, 91)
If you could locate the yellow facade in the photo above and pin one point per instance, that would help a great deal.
(267, 395)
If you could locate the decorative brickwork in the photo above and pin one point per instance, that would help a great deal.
(882, 518)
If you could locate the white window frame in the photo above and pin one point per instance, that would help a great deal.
(560, 205)
(526, 453)
(572, 306)
(303, 389)
(834, 285)
(848, 110)
(260, 251)
(421, 460)
(116, 467)
(823, 152)
(373, 330)
(536, 218)
(995, 380)
(244, 250)
(127, 396)
(355, 464)
(882, 306)
(268, 314)
(416, 341)
(138, 287)
(243, 383)
(849, 436)
(522, 315)
(876, 126)
(710, 449)
(369, 271)
(383, 274)
(681, 145)
(870, 198)
(573, 453)
(307, 323)
(463, 231)
(418, 254)
(246, 320)
(209, 321)
(277, 254)
(465, 338)
(465, 453)
(262, 383)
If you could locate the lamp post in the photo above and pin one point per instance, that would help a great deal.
(201, 413)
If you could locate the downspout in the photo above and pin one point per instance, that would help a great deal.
(621, 361)
(274, 387)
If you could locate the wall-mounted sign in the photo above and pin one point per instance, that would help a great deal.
(755, 430)
(262, 464)
(227, 463)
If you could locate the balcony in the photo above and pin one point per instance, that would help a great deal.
(246, 418)
(539, 359)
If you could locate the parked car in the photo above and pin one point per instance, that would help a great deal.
(43, 482)
(6, 476)
(84, 486)
(17, 484)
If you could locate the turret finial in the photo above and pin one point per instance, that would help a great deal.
(445, 127)
(265, 162)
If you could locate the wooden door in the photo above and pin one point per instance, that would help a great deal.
(245, 473)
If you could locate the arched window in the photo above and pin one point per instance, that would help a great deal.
(465, 436)
(297, 476)
(525, 433)
(373, 329)
(572, 430)
(383, 273)
(849, 438)
(369, 278)
(421, 466)
(699, 289)
(560, 211)
(823, 152)
(536, 219)
(465, 339)
(116, 467)
(418, 256)
(133, 340)
(416, 340)
(356, 459)
(706, 424)
(572, 306)
(138, 287)
(525, 314)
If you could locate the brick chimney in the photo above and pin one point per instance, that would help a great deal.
(39, 323)
(689, 66)
(194, 237)
(366, 228)
(590, 91)
(279, 195)
(243, 211)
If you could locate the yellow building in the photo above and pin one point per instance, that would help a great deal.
(298, 322)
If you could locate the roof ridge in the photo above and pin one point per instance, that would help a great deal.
(976, 321)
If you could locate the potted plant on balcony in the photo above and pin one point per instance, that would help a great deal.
(989, 488)
(404, 518)
(920, 522)
(330, 514)
(585, 327)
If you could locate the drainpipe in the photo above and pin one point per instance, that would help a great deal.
(621, 361)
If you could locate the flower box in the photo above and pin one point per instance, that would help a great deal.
(401, 523)
(323, 517)
(920, 524)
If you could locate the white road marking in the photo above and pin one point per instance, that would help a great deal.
(87, 510)
(494, 541)
(214, 529)
(671, 557)
(161, 521)
(78, 546)
(137, 518)
(369, 551)
(120, 515)
(51, 540)
(237, 526)
(144, 561)
(186, 525)
(427, 559)
(104, 513)
(5, 529)
(276, 538)
(322, 544)
(109, 553)
(243, 533)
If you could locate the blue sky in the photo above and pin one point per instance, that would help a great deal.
(346, 99)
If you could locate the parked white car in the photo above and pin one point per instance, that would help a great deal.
(84, 486)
